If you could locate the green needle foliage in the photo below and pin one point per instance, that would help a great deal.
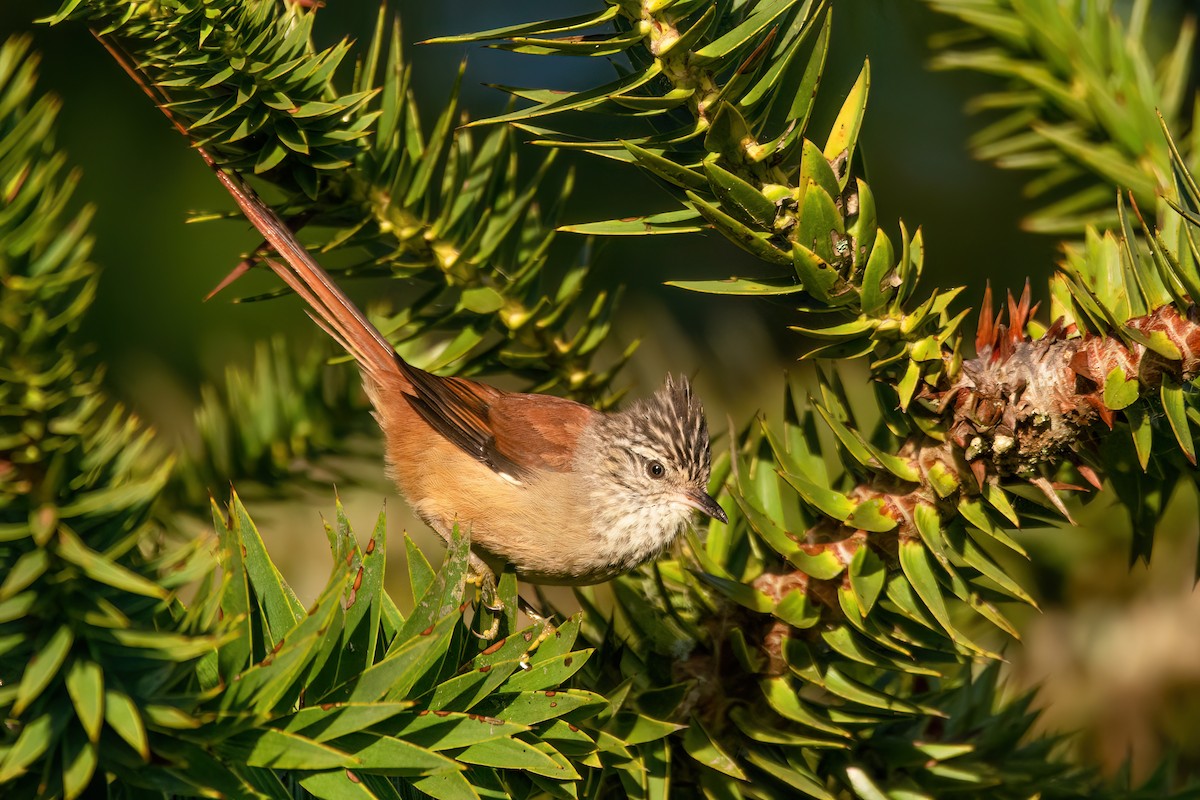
(1081, 88)
(272, 419)
(92, 656)
(351, 698)
(837, 638)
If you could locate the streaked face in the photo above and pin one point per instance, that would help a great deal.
(655, 469)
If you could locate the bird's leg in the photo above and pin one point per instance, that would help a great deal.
(539, 618)
(487, 587)
(483, 577)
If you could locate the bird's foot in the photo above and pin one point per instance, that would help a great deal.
(547, 625)
(489, 598)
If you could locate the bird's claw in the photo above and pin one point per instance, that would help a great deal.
(490, 633)
(490, 600)
(548, 629)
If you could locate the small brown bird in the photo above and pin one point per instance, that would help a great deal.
(559, 492)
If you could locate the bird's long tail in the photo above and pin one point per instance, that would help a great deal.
(330, 307)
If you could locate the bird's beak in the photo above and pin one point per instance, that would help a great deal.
(705, 505)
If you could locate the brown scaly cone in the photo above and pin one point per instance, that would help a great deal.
(1015, 412)
(1022, 405)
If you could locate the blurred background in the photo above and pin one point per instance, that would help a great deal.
(1114, 649)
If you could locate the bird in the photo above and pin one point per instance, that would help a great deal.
(553, 489)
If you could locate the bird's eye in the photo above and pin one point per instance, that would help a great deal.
(655, 469)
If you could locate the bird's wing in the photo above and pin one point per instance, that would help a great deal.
(540, 431)
(514, 434)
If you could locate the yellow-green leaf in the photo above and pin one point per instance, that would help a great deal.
(700, 745)
(845, 129)
(85, 685)
(871, 515)
(1119, 391)
(48, 658)
(1176, 411)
